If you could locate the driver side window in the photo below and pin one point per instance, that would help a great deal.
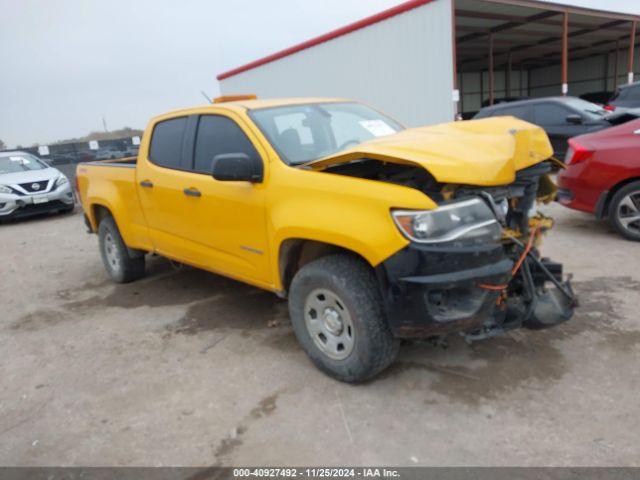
(216, 135)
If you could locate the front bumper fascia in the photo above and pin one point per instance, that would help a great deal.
(434, 290)
(431, 291)
(17, 206)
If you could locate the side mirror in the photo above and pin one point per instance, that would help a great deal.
(237, 167)
(574, 119)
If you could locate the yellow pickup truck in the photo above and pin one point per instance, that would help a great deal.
(374, 232)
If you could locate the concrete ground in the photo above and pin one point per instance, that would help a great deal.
(188, 368)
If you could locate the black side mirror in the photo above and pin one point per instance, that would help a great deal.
(237, 167)
(574, 119)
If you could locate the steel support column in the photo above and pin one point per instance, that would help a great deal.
(565, 53)
(491, 79)
(632, 41)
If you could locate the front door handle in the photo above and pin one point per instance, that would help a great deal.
(146, 184)
(192, 192)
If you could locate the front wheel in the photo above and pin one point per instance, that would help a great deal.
(624, 211)
(120, 264)
(337, 315)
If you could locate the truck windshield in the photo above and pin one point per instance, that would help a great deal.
(302, 133)
(20, 162)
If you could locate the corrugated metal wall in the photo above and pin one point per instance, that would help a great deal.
(587, 75)
(475, 89)
(402, 65)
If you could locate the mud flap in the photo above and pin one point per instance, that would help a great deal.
(553, 307)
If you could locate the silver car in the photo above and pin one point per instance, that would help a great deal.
(28, 186)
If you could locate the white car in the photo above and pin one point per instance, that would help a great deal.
(110, 153)
(28, 186)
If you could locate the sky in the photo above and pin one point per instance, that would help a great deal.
(66, 64)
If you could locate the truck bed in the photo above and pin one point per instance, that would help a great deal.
(113, 191)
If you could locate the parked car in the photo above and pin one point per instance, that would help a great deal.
(29, 186)
(561, 117)
(372, 231)
(110, 153)
(603, 177)
(131, 151)
(61, 158)
(86, 156)
(626, 96)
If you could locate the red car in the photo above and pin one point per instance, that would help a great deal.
(603, 176)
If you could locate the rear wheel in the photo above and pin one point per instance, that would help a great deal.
(337, 314)
(624, 211)
(122, 265)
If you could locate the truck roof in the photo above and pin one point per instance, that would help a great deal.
(256, 104)
(280, 102)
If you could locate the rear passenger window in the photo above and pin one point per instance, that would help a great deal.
(166, 143)
(218, 135)
(550, 114)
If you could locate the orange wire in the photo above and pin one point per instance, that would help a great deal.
(526, 251)
(496, 288)
(517, 266)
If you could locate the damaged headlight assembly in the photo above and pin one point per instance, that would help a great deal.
(465, 221)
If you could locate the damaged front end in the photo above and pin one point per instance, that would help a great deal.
(472, 265)
(484, 274)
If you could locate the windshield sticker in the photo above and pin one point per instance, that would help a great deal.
(377, 128)
(22, 160)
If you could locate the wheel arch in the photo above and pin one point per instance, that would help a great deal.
(294, 253)
(98, 212)
(612, 191)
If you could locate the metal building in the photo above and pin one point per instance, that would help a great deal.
(424, 61)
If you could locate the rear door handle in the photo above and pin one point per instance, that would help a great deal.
(192, 192)
(146, 184)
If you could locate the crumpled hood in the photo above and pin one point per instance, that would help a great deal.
(483, 152)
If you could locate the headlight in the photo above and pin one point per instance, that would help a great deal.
(467, 220)
(4, 189)
(61, 181)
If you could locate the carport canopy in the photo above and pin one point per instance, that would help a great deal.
(506, 49)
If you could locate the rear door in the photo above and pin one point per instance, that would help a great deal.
(160, 179)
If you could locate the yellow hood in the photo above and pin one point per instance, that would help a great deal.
(476, 152)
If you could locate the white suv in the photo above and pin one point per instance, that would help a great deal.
(28, 186)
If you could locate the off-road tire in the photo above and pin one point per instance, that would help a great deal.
(374, 348)
(129, 265)
(613, 214)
